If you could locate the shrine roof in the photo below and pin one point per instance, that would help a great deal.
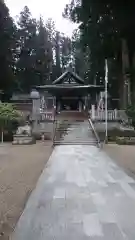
(69, 86)
(68, 74)
(70, 83)
(70, 89)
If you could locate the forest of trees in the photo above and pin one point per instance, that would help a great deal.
(33, 52)
(107, 30)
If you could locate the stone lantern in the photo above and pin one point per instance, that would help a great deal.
(35, 96)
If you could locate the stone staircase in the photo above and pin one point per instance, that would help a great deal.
(71, 132)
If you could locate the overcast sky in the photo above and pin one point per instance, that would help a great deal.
(47, 8)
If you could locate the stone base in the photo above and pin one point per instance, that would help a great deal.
(125, 140)
(23, 140)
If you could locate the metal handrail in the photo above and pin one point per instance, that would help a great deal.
(95, 133)
(54, 130)
(54, 126)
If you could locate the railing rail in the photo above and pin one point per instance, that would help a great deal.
(112, 115)
(47, 115)
(54, 131)
(95, 133)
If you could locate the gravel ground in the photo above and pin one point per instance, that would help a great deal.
(124, 156)
(20, 168)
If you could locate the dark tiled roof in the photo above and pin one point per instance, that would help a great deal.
(77, 78)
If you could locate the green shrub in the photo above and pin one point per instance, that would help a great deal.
(125, 141)
(114, 133)
(9, 119)
(131, 113)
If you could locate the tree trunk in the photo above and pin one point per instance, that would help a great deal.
(2, 135)
(133, 82)
(125, 68)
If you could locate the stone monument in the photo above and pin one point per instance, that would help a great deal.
(24, 136)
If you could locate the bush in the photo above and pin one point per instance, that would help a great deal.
(125, 141)
(114, 133)
(9, 119)
(131, 113)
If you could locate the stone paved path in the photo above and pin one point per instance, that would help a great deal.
(81, 195)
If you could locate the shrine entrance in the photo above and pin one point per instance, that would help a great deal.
(70, 92)
(70, 103)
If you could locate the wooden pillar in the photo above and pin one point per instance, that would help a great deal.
(58, 106)
(80, 106)
(89, 100)
(85, 103)
(93, 112)
(125, 67)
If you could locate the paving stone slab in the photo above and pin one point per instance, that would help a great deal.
(81, 195)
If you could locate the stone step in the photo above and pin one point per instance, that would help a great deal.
(71, 129)
(75, 143)
(76, 133)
